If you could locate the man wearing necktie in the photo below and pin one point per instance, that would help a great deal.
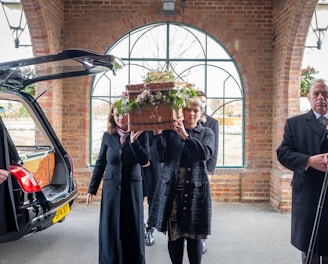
(302, 150)
(322, 120)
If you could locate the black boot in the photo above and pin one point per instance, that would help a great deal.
(204, 246)
(149, 238)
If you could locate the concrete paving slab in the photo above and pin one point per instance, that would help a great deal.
(241, 233)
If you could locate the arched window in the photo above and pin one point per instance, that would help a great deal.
(193, 56)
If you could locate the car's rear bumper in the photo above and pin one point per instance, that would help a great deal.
(51, 207)
(38, 216)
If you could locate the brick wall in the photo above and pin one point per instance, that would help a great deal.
(226, 186)
(265, 38)
(292, 20)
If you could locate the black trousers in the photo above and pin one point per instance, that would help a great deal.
(194, 250)
(315, 259)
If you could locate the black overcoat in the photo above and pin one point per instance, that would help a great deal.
(303, 138)
(8, 218)
(121, 226)
(150, 173)
(213, 124)
(196, 218)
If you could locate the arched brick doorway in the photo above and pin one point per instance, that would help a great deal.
(265, 38)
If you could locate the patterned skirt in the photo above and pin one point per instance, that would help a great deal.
(173, 224)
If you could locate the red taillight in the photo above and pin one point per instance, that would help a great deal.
(25, 179)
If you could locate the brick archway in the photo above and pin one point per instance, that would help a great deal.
(290, 38)
(45, 19)
(265, 38)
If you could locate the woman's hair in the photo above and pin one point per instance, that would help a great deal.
(111, 125)
(194, 101)
(200, 93)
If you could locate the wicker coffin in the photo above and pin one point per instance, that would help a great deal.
(151, 117)
(134, 89)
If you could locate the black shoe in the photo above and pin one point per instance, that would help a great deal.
(204, 249)
(149, 238)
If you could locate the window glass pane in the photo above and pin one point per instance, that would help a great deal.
(149, 42)
(100, 111)
(215, 50)
(119, 81)
(101, 85)
(23, 130)
(121, 47)
(186, 43)
(229, 115)
(230, 154)
(140, 69)
(223, 80)
(190, 71)
(109, 85)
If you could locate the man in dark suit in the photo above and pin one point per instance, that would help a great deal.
(208, 121)
(302, 150)
(150, 174)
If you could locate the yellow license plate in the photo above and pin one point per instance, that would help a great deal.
(61, 213)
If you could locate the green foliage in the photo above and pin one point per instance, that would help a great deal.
(23, 112)
(123, 106)
(30, 89)
(159, 76)
(174, 98)
(307, 77)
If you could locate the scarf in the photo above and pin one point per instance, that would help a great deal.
(123, 135)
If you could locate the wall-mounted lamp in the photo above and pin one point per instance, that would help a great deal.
(319, 24)
(183, 4)
(14, 13)
(168, 7)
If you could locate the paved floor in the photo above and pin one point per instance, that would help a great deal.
(242, 234)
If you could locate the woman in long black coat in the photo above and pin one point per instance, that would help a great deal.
(121, 231)
(182, 201)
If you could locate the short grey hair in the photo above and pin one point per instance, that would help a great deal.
(195, 101)
(319, 80)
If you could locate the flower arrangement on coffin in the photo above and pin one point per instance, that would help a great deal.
(175, 98)
(155, 103)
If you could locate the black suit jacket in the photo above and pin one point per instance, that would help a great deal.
(150, 173)
(214, 125)
(303, 137)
